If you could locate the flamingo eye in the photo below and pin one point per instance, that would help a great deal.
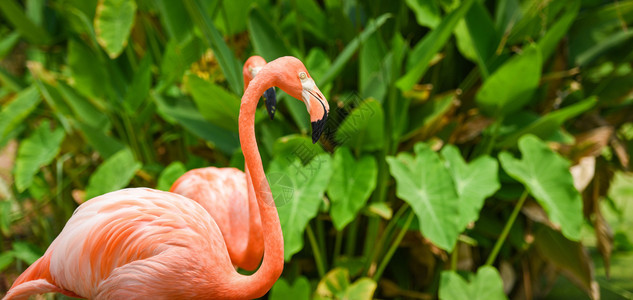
(303, 75)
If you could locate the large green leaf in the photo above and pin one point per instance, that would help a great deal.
(17, 110)
(363, 128)
(299, 290)
(88, 75)
(267, 39)
(336, 285)
(169, 175)
(511, 86)
(214, 103)
(113, 174)
(546, 175)
(298, 193)
(37, 150)
(544, 127)
(352, 183)
(432, 43)
(113, 24)
(484, 285)
(474, 181)
(425, 184)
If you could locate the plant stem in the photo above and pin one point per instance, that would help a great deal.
(352, 231)
(506, 229)
(454, 257)
(320, 231)
(338, 242)
(386, 235)
(316, 251)
(393, 247)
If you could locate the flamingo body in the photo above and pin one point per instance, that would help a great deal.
(224, 194)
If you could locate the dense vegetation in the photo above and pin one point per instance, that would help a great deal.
(444, 169)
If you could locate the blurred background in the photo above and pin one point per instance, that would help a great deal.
(474, 149)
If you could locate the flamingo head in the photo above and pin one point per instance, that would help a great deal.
(295, 80)
(252, 66)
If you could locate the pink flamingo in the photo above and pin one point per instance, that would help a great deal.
(225, 192)
(144, 244)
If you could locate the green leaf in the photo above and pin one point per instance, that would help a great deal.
(361, 289)
(474, 181)
(230, 66)
(298, 193)
(299, 290)
(26, 252)
(89, 77)
(113, 174)
(363, 128)
(138, 90)
(184, 112)
(333, 285)
(266, 37)
(502, 93)
(83, 109)
(350, 49)
(352, 183)
(546, 175)
(544, 127)
(481, 35)
(427, 13)
(14, 113)
(484, 285)
(296, 146)
(99, 140)
(423, 120)
(37, 150)
(113, 24)
(214, 103)
(177, 58)
(175, 20)
(425, 184)
(169, 175)
(23, 24)
(6, 258)
(430, 45)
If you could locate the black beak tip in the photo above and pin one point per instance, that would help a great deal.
(317, 129)
(270, 97)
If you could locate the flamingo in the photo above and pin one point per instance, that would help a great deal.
(224, 192)
(142, 243)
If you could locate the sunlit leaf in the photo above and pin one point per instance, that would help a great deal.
(113, 24)
(484, 285)
(16, 111)
(474, 181)
(333, 285)
(298, 192)
(427, 13)
(425, 184)
(361, 289)
(546, 175)
(37, 150)
(299, 290)
(113, 174)
(169, 175)
(352, 183)
(502, 93)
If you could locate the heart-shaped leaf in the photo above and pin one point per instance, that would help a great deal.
(474, 182)
(37, 150)
(502, 93)
(113, 24)
(351, 185)
(425, 184)
(298, 193)
(485, 285)
(299, 290)
(546, 175)
(113, 174)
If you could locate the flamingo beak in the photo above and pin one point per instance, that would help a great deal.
(270, 98)
(317, 128)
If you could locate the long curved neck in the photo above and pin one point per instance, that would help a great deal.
(260, 282)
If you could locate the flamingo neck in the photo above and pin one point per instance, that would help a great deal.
(260, 282)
